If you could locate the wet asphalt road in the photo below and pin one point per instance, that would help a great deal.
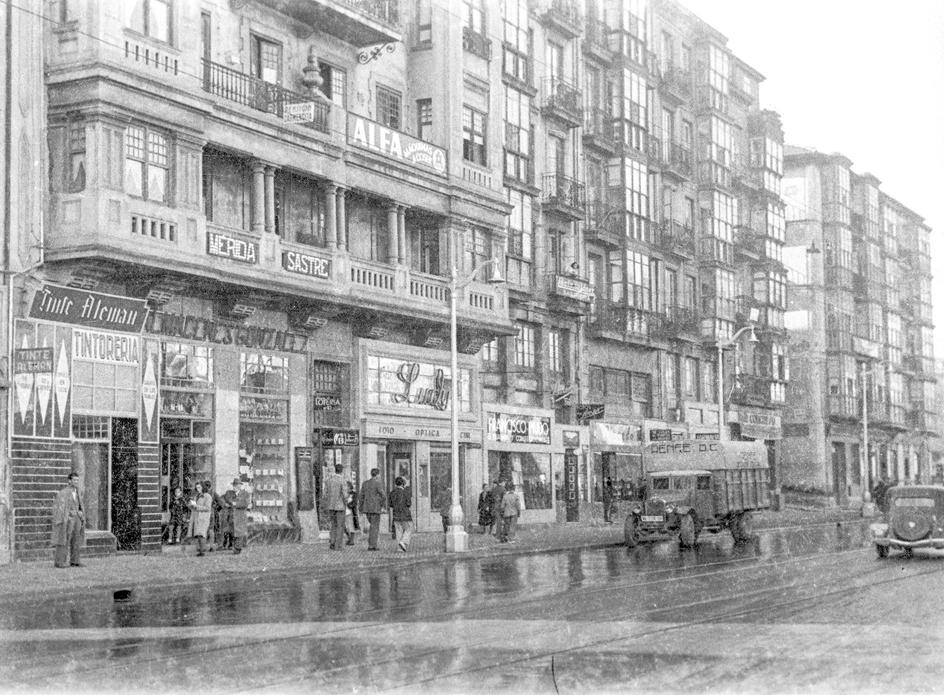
(800, 610)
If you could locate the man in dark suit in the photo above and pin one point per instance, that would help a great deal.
(68, 524)
(373, 500)
(335, 502)
(240, 514)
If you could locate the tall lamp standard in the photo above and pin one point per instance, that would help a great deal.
(722, 346)
(457, 540)
(865, 462)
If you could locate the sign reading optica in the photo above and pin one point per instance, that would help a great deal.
(373, 136)
(518, 429)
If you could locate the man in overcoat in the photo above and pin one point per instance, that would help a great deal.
(68, 524)
(335, 502)
(373, 500)
(240, 515)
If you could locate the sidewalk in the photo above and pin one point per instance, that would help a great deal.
(34, 580)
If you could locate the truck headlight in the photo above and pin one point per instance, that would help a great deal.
(878, 530)
(637, 509)
(669, 509)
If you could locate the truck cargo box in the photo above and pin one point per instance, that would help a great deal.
(707, 454)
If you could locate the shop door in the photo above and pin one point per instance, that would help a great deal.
(839, 473)
(125, 514)
(401, 464)
(90, 461)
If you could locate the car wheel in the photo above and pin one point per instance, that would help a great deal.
(687, 531)
(743, 527)
(881, 551)
(630, 532)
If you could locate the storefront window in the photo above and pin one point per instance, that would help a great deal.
(530, 472)
(624, 470)
(263, 432)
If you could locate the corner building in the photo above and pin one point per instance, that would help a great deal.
(863, 401)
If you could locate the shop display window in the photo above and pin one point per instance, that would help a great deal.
(183, 364)
(625, 470)
(530, 472)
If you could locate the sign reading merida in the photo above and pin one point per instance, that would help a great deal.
(91, 309)
(395, 145)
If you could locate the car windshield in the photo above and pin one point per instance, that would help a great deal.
(914, 502)
(660, 483)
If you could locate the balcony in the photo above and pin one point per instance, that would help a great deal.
(710, 99)
(679, 163)
(563, 195)
(922, 420)
(595, 41)
(743, 176)
(239, 88)
(608, 322)
(715, 251)
(563, 15)
(922, 367)
(915, 260)
(605, 224)
(477, 44)
(918, 311)
(356, 22)
(711, 174)
(878, 411)
(747, 243)
(753, 390)
(569, 294)
(676, 238)
(654, 147)
(679, 323)
(562, 101)
(676, 84)
(601, 131)
(838, 277)
(724, 308)
(842, 407)
(839, 341)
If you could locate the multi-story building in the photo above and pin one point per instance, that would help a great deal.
(684, 237)
(861, 331)
(259, 212)
(23, 165)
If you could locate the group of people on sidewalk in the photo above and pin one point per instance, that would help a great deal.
(499, 509)
(344, 505)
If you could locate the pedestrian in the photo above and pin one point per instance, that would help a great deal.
(400, 503)
(350, 513)
(212, 535)
(372, 502)
(178, 516)
(498, 493)
(485, 509)
(609, 499)
(200, 510)
(335, 502)
(240, 512)
(68, 524)
(878, 493)
(511, 510)
(443, 503)
(226, 518)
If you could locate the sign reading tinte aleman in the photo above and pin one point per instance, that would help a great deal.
(90, 309)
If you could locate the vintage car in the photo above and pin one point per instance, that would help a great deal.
(914, 519)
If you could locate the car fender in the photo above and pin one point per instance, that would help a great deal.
(683, 509)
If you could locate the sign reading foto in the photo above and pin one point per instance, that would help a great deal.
(393, 144)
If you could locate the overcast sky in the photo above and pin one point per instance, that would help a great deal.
(860, 77)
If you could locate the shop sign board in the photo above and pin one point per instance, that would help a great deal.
(306, 264)
(299, 112)
(336, 437)
(253, 337)
(661, 435)
(230, 246)
(268, 409)
(573, 288)
(326, 402)
(571, 494)
(759, 424)
(412, 386)
(603, 434)
(393, 144)
(90, 309)
(418, 431)
(99, 346)
(571, 438)
(706, 435)
(518, 429)
(33, 360)
(590, 411)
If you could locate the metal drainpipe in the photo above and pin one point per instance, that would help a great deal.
(8, 278)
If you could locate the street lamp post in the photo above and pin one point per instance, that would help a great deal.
(722, 346)
(865, 463)
(457, 540)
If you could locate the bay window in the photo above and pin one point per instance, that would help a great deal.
(146, 163)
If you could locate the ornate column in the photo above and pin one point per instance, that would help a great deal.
(401, 232)
(342, 217)
(331, 209)
(393, 235)
(258, 198)
(270, 199)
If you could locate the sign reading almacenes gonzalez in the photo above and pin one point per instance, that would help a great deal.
(90, 309)
(393, 144)
(196, 328)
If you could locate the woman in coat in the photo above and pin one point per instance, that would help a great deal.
(485, 509)
(201, 509)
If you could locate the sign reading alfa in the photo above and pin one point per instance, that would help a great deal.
(393, 144)
(304, 264)
(518, 429)
(92, 309)
(228, 246)
(32, 360)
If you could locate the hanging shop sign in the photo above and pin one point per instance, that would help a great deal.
(90, 309)
(306, 264)
(571, 493)
(196, 328)
(393, 144)
(570, 439)
(229, 246)
(334, 437)
(518, 429)
(98, 346)
(605, 434)
(758, 424)
(326, 402)
(590, 411)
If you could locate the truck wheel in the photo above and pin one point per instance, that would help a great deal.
(687, 531)
(743, 527)
(881, 551)
(630, 532)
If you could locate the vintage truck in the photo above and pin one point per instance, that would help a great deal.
(692, 486)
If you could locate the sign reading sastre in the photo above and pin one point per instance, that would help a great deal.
(393, 144)
(304, 264)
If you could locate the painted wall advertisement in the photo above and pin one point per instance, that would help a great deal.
(42, 380)
(395, 145)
